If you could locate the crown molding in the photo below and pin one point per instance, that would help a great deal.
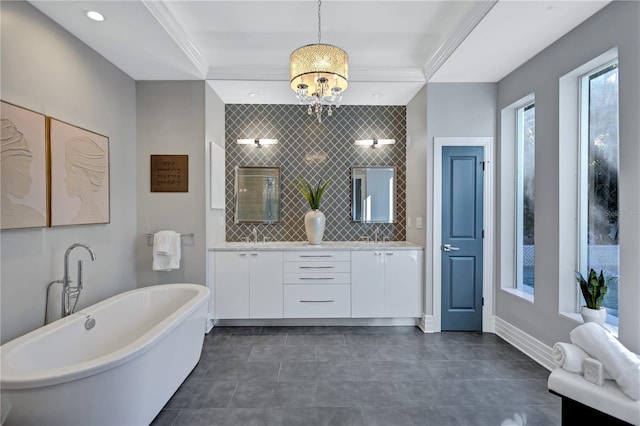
(356, 74)
(473, 18)
(162, 13)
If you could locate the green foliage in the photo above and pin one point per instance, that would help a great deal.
(593, 289)
(313, 195)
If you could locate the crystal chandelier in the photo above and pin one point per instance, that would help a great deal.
(319, 74)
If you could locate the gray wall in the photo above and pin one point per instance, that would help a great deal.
(460, 110)
(417, 146)
(315, 151)
(214, 129)
(171, 120)
(616, 25)
(46, 69)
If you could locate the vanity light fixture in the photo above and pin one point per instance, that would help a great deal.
(94, 15)
(257, 142)
(375, 142)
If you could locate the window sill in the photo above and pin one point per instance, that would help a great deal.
(519, 293)
(576, 317)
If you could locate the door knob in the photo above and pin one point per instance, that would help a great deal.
(448, 247)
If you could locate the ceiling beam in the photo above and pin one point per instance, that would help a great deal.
(162, 13)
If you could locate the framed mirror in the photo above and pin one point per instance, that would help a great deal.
(257, 194)
(373, 194)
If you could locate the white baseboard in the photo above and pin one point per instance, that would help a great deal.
(488, 323)
(532, 347)
(428, 324)
(377, 322)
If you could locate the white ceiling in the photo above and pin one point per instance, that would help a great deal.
(394, 47)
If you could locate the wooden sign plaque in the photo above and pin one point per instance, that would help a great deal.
(169, 173)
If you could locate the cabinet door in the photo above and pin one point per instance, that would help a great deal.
(367, 284)
(265, 289)
(402, 289)
(231, 284)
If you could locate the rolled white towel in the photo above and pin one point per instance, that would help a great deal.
(620, 362)
(570, 357)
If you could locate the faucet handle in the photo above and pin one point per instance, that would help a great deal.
(385, 238)
(365, 238)
(80, 274)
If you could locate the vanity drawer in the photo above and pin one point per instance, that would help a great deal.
(315, 266)
(317, 255)
(317, 278)
(317, 301)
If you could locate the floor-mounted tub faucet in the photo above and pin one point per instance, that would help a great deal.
(69, 292)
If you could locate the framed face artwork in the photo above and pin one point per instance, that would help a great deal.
(23, 168)
(79, 175)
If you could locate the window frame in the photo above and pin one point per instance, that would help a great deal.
(569, 196)
(508, 194)
(584, 109)
(519, 194)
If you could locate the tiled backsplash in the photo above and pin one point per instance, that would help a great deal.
(315, 151)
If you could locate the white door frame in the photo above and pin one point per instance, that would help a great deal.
(488, 207)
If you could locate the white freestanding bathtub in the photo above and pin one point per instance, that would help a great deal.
(121, 371)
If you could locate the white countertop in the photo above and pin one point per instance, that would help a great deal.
(326, 245)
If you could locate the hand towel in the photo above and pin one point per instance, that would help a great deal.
(166, 251)
(620, 362)
(162, 242)
(176, 251)
(571, 358)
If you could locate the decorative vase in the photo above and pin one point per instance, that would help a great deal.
(314, 226)
(598, 316)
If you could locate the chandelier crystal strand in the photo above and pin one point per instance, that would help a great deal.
(319, 22)
(319, 74)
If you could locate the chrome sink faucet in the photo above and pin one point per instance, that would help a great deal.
(375, 234)
(254, 233)
(69, 292)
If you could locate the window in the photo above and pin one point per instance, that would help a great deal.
(525, 197)
(598, 179)
(517, 165)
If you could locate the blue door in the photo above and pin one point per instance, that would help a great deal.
(462, 234)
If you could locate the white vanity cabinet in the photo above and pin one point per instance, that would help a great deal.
(336, 280)
(248, 284)
(386, 283)
(317, 284)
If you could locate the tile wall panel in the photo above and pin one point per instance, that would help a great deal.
(315, 151)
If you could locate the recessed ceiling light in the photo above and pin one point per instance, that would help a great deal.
(378, 95)
(94, 16)
(253, 94)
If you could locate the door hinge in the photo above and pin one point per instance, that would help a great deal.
(483, 164)
(483, 233)
(483, 301)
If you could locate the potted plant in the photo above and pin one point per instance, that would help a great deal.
(593, 290)
(314, 219)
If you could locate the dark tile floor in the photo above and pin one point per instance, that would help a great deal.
(360, 376)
